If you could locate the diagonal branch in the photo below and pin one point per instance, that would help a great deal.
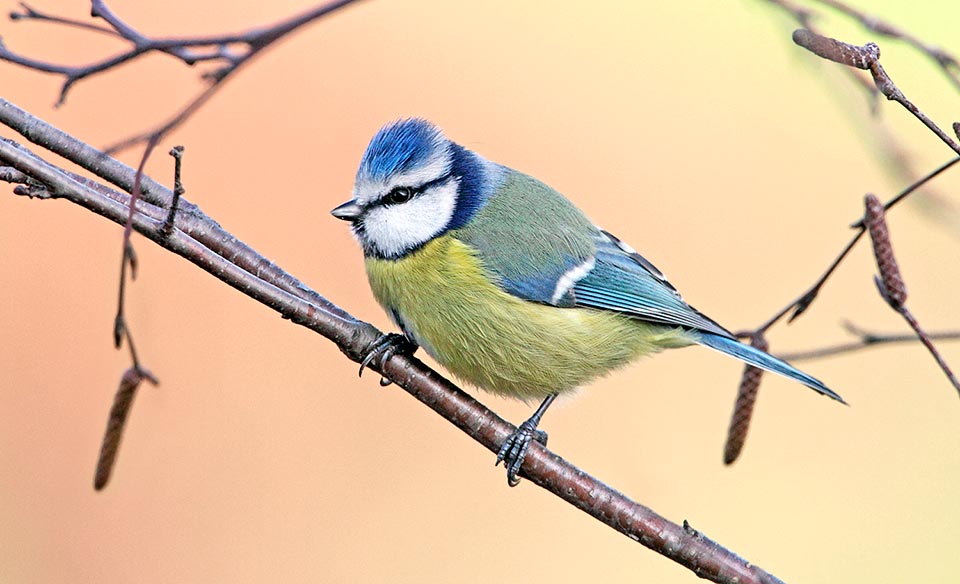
(201, 241)
(802, 302)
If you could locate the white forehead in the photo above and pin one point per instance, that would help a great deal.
(436, 165)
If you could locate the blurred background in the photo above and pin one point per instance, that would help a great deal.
(696, 131)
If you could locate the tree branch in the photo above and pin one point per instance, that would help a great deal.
(204, 243)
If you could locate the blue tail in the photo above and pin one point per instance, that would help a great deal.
(758, 358)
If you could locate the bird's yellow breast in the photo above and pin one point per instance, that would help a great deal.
(447, 302)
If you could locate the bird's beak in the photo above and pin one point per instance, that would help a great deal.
(348, 211)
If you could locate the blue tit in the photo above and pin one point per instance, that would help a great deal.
(506, 283)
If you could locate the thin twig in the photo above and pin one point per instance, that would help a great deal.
(868, 57)
(802, 302)
(178, 190)
(865, 340)
(31, 13)
(927, 341)
(190, 50)
(913, 188)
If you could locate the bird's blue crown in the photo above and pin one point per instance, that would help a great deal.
(398, 147)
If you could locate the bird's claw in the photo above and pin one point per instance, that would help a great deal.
(382, 349)
(514, 449)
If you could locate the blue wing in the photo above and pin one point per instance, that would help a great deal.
(624, 281)
(566, 264)
(616, 278)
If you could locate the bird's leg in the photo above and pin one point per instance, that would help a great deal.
(385, 347)
(514, 448)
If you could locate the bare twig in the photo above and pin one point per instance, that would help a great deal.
(865, 340)
(868, 57)
(190, 50)
(274, 289)
(913, 188)
(31, 13)
(128, 257)
(178, 190)
(928, 343)
(802, 302)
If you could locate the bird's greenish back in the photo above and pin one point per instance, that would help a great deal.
(528, 230)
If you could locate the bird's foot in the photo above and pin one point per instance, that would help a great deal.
(514, 448)
(383, 348)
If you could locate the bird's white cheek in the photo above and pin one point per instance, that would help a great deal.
(396, 229)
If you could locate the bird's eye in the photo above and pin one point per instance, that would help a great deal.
(399, 195)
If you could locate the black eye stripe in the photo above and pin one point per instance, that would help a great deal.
(401, 194)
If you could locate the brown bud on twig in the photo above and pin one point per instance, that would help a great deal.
(131, 256)
(891, 285)
(743, 408)
(119, 327)
(837, 51)
(129, 383)
(956, 129)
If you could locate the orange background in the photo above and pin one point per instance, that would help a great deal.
(696, 131)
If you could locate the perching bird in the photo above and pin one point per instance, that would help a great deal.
(506, 283)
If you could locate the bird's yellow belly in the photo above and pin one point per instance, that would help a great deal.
(499, 342)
